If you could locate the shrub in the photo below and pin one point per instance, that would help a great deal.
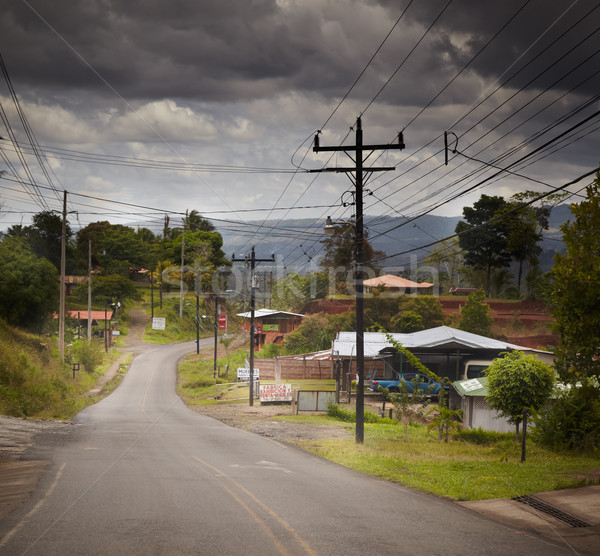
(88, 354)
(572, 422)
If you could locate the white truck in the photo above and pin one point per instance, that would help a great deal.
(474, 368)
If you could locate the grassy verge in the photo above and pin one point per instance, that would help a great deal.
(34, 384)
(197, 383)
(472, 467)
(176, 329)
(459, 469)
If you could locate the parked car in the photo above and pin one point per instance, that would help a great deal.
(412, 381)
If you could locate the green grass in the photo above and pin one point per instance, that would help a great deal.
(176, 329)
(34, 384)
(477, 467)
(196, 380)
(458, 470)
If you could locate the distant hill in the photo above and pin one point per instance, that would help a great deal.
(296, 242)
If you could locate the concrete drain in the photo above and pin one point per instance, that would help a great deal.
(550, 510)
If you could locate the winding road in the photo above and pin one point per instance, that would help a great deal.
(143, 474)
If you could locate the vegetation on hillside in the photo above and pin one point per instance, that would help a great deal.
(33, 383)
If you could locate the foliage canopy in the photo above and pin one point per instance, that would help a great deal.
(576, 304)
(517, 382)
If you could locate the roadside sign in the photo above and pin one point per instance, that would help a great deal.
(222, 322)
(158, 323)
(275, 393)
(243, 374)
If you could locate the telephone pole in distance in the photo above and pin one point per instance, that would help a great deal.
(253, 286)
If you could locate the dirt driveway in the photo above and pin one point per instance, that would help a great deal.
(259, 419)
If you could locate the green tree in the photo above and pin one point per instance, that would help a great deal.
(427, 306)
(409, 321)
(204, 245)
(113, 287)
(45, 236)
(194, 222)
(339, 257)
(483, 236)
(314, 334)
(294, 291)
(475, 317)
(116, 249)
(517, 382)
(29, 285)
(317, 332)
(526, 231)
(380, 309)
(576, 305)
(447, 260)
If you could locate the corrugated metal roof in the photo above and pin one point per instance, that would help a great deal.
(440, 337)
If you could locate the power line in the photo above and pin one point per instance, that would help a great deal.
(519, 207)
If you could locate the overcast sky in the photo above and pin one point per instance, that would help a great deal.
(163, 104)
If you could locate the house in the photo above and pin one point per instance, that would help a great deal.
(72, 281)
(396, 284)
(271, 326)
(446, 351)
(469, 396)
(82, 316)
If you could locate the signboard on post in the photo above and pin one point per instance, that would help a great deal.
(243, 374)
(222, 322)
(275, 393)
(158, 323)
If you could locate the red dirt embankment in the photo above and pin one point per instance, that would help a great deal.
(525, 323)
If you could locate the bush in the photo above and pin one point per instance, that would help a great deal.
(88, 354)
(572, 422)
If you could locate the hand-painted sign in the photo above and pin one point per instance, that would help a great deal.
(275, 393)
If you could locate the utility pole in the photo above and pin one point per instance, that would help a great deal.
(253, 286)
(89, 323)
(181, 278)
(63, 262)
(216, 327)
(359, 170)
(197, 322)
(152, 294)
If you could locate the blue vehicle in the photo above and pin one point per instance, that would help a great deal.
(412, 381)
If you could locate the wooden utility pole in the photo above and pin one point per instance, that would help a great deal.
(359, 170)
(181, 278)
(63, 263)
(253, 286)
(89, 323)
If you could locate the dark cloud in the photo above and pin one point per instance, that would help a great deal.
(214, 50)
(249, 80)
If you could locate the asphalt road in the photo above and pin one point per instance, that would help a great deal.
(143, 474)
